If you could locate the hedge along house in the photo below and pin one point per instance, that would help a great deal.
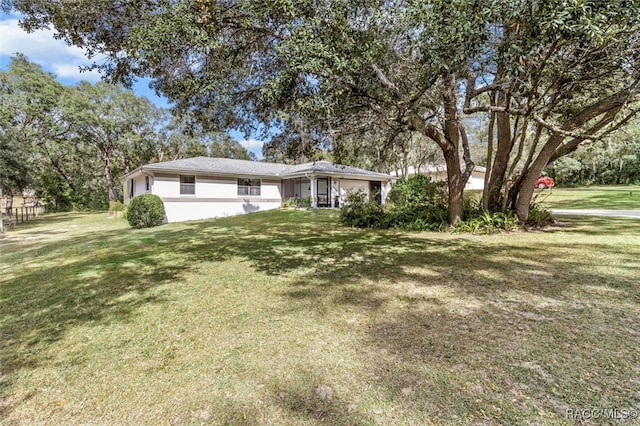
(205, 187)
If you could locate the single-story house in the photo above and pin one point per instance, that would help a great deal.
(438, 172)
(206, 187)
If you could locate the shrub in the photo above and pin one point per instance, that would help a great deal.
(484, 222)
(539, 217)
(359, 212)
(291, 202)
(145, 211)
(116, 208)
(306, 202)
(418, 191)
(418, 204)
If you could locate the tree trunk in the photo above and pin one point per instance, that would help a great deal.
(501, 160)
(528, 180)
(455, 186)
(109, 178)
(9, 202)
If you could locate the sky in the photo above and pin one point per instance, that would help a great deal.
(64, 62)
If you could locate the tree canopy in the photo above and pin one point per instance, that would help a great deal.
(73, 144)
(549, 76)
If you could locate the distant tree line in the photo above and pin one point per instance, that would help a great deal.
(73, 144)
(612, 161)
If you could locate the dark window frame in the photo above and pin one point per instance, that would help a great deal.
(248, 187)
(186, 186)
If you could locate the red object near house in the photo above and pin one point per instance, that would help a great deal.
(544, 182)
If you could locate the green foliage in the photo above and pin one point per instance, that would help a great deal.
(116, 208)
(223, 146)
(613, 161)
(291, 202)
(360, 212)
(539, 216)
(306, 202)
(483, 222)
(418, 191)
(145, 211)
(420, 205)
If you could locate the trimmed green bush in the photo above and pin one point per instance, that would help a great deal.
(145, 211)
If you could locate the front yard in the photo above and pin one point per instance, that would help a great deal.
(284, 317)
(596, 197)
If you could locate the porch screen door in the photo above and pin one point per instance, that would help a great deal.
(324, 186)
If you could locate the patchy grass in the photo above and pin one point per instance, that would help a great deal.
(598, 197)
(284, 317)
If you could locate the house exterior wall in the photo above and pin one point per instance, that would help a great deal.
(476, 181)
(348, 186)
(180, 211)
(214, 197)
(139, 187)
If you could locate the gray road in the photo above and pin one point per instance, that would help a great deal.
(594, 212)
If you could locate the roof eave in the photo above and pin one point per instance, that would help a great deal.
(337, 174)
(211, 172)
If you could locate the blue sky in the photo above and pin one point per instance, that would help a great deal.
(65, 62)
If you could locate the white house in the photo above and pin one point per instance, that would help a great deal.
(205, 187)
(438, 172)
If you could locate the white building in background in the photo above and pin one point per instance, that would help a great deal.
(205, 187)
(438, 172)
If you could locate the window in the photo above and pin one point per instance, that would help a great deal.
(187, 185)
(249, 187)
(131, 186)
(147, 184)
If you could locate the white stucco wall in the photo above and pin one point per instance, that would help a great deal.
(476, 181)
(214, 197)
(179, 211)
(139, 187)
(351, 186)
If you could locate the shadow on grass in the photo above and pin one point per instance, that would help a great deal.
(78, 280)
(458, 285)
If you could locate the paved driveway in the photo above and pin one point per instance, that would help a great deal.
(593, 212)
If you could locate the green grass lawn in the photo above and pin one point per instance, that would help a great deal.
(597, 197)
(284, 317)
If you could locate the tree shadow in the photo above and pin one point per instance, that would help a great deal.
(449, 290)
(71, 283)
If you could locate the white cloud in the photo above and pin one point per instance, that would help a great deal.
(40, 47)
(73, 72)
(252, 144)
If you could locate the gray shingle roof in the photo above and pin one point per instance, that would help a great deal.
(255, 168)
(220, 165)
(329, 168)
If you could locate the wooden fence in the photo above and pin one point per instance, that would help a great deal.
(15, 215)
